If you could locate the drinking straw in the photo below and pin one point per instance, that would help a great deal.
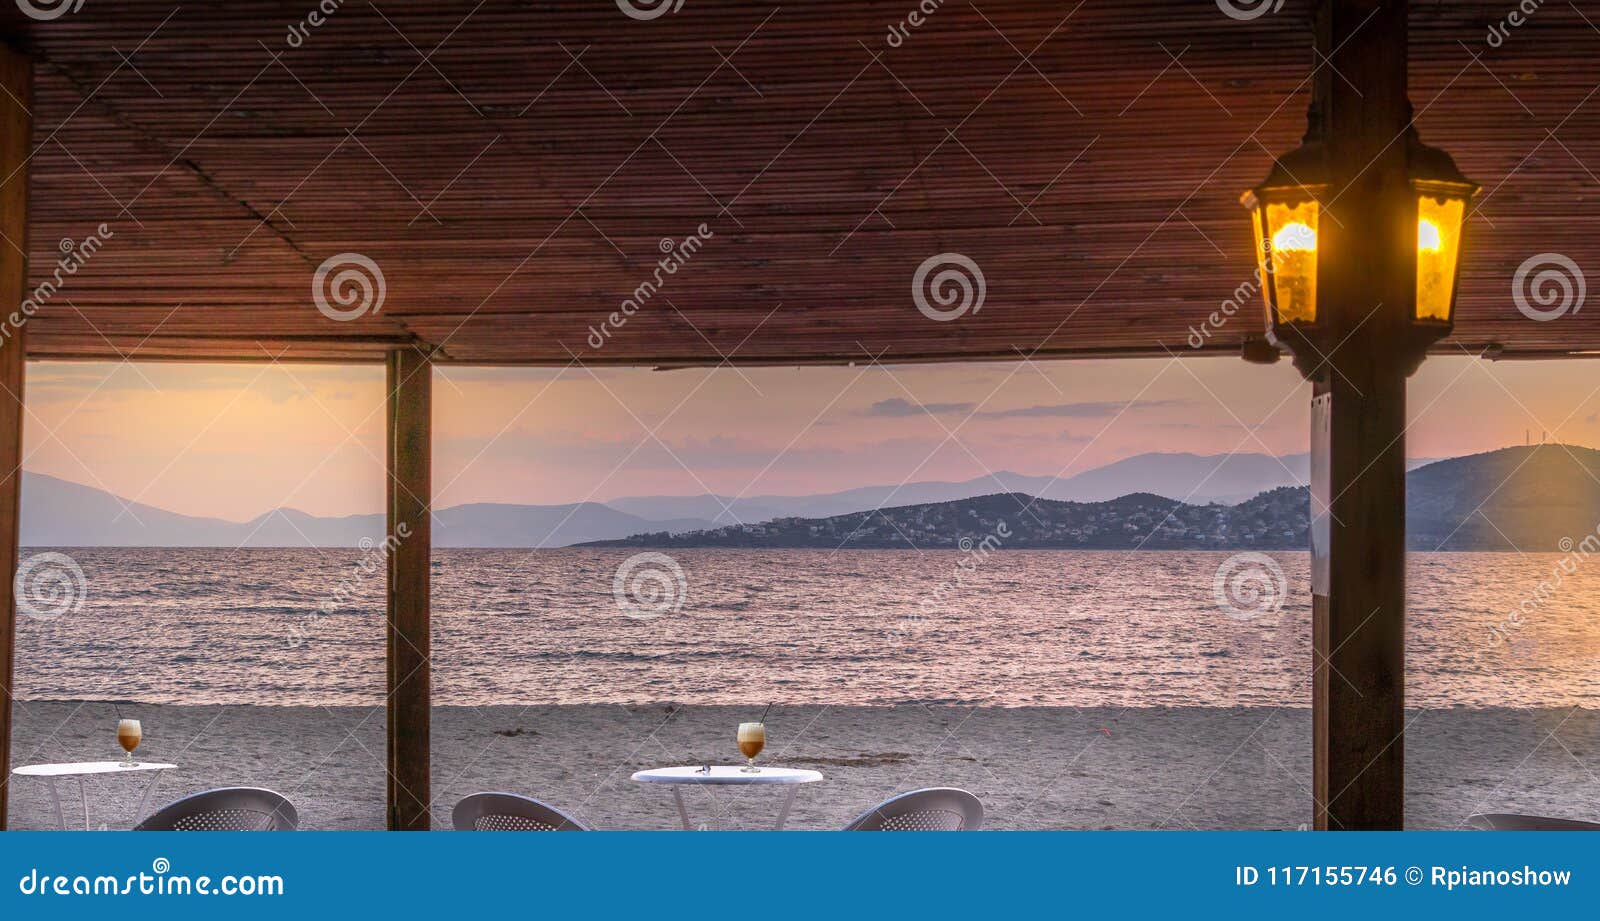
(763, 719)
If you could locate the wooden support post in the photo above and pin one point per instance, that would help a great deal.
(1367, 244)
(16, 126)
(409, 544)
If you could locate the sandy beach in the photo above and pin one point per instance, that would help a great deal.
(1034, 768)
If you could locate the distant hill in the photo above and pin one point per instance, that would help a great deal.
(1523, 498)
(1198, 478)
(60, 513)
(1274, 520)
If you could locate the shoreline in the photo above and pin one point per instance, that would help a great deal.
(676, 704)
(1033, 767)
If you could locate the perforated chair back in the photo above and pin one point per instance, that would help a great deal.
(227, 809)
(1504, 822)
(933, 809)
(510, 812)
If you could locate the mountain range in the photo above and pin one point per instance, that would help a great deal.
(1541, 498)
(1199, 478)
(1273, 520)
(61, 513)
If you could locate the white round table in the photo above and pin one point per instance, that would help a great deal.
(728, 775)
(83, 769)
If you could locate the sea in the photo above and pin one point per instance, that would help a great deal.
(979, 626)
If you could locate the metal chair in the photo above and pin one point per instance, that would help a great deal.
(227, 809)
(1499, 821)
(933, 809)
(510, 812)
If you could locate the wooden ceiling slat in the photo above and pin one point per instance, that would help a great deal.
(514, 199)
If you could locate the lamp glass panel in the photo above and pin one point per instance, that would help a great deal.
(1292, 264)
(1263, 254)
(1438, 249)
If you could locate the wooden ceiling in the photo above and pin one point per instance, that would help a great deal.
(512, 168)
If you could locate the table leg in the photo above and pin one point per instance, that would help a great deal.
(83, 794)
(783, 814)
(55, 798)
(683, 812)
(155, 778)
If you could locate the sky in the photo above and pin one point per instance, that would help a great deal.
(235, 441)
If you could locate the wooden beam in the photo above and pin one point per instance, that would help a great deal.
(1367, 245)
(16, 126)
(1099, 263)
(408, 546)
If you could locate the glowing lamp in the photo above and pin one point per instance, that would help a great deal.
(1285, 210)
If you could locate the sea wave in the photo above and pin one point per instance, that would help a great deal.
(1023, 628)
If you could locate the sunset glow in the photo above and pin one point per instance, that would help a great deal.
(234, 441)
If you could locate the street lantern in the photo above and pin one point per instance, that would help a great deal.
(1285, 210)
(1442, 196)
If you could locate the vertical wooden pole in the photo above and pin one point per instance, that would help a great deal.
(410, 426)
(1367, 285)
(16, 125)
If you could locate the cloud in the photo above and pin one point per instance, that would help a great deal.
(1089, 410)
(596, 453)
(896, 408)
